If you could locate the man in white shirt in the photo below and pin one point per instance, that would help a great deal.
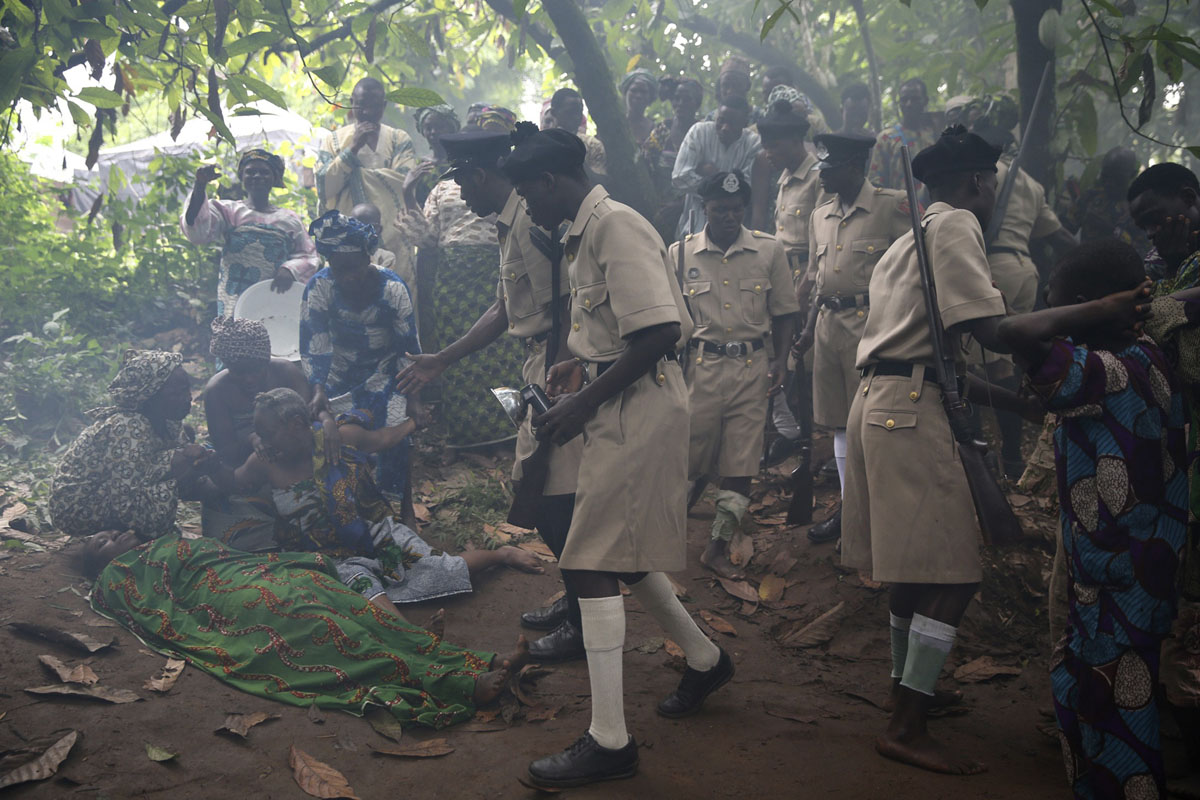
(722, 145)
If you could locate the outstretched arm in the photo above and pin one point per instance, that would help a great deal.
(378, 440)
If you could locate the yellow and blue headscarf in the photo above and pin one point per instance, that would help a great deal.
(334, 232)
(273, 162)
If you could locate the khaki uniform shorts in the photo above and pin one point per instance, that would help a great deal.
(834, 352)
(728, 398)
(907, 514)
(630, 507)
(564, 461)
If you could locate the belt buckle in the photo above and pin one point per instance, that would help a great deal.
(833, 303)
(735, 349)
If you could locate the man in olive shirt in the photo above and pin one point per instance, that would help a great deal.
(739, 291)
(627, 316)
(847, 237)
(783, 130)
(908, 516)
(524, 296)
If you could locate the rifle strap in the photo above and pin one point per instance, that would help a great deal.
(555, 307)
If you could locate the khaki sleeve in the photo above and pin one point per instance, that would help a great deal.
(630, 254)
(782, 299)
(960, 269)
(810, 271)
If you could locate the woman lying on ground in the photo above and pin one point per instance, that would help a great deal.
(337, 509)
(128, 469)
(282, 626)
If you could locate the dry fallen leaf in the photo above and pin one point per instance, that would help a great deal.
(386, 725)
(513, 530)
(430, 748)
(782, 563)
(717, 623)
(771, 588)
(317, 778)
(676, 588)
(240, 724)
(79, 673)
(739, 589)
(982, 669)
(650, 646)
(554, 598)
(166, 677)
(315, 716)
(497, 534)
(44, 765)
(156, 753)
(76, 641)
(673, 649)
(741, 549)
(539, 549)
(542, 713)
(820, 630)
(421, 511)
(96, 692)
(793, 716)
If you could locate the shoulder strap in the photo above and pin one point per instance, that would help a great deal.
(555, 307)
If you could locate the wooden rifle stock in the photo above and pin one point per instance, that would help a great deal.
(801, 508)
(997, 521)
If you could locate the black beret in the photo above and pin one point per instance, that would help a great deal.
(725, 184)
(781, 120)
(535, 152)
(836, 149)
(474, 148)
(956, 151)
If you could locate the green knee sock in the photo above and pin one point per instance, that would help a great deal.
(929, 643)
(899, 629)
(731, 507)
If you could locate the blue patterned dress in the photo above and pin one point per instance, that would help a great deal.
(1121, 459)
(355, 355)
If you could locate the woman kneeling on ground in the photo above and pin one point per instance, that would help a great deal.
(337, 509)
(283, 626)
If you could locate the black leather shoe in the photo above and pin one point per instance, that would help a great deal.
(585, 762)
(564, 643)
(694, 687)
(826, 531)
(546, 618)
(780, 451)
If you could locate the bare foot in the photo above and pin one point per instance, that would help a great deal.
(925, 752)
(515, 660)
(437, 623)
(489, 685)
(716, 558)
(522, 560)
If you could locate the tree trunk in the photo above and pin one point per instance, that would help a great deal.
(628, 181)
(1032, 59)
(872, 66)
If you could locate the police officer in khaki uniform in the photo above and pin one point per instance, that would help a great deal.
(524, 296)
(627, 317)
(782, 131)
(908, 515)
(739, 289)
(847, 236)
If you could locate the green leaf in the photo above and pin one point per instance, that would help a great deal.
(248, 44)
(100, 97)
(156, 753)
(772, 20)
(78, 115)
(262, 89)
(1195, 151)
(1088, 135)
(519, 8)
(1107, 6)
(414, 97)
(22, 12)
(217, 122)
(1168, 60)
(330, 74)
(981, 4)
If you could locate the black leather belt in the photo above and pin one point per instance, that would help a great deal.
(731, 349)
(602, 366)
(1012, 251)
(837, 302)
(902, 369)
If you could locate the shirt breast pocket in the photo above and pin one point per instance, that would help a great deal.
(520, 299)
(754, 300)
(866, 256)
(699, 297)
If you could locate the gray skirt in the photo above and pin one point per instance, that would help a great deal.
(405, 567)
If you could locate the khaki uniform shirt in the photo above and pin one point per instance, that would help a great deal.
(632, 493)
(616, 287)
(799, 193)
(527, 290)
(734, 294)
(896, 328)
(1028, 215)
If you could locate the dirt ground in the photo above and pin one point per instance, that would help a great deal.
(794, 722)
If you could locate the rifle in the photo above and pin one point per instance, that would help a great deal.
(801, 507)
(1010, 180)
(535, 469)
(996, 518)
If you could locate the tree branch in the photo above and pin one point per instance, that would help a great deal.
(764, 53)
(872, 66)
(540, 35)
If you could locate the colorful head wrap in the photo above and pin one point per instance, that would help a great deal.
(143, 373)
(240, 340)
(443, 109)
(497, 116)
(782, 92)
(473, 112)
(333, 232)
(273, 162)
(639, 74)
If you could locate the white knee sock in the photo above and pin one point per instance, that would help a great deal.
(929, 643)
(604, 640)
(656, 596)
(839, 455)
